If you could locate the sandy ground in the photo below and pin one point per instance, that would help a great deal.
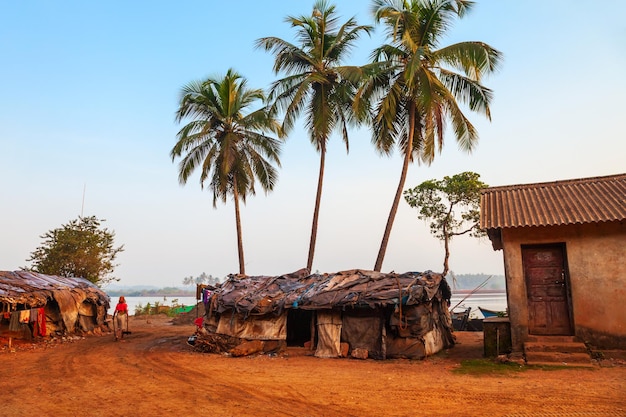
(155, 372)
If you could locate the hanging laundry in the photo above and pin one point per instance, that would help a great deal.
(24, 316)
(41, 322)
(33, 315)
(14, 324)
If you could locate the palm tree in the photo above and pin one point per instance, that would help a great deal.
(229, 147)
(414, 89)
(316, 84)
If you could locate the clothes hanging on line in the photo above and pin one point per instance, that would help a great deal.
(14, 324)
(41, 322)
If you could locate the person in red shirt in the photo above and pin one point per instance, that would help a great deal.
(121, 315)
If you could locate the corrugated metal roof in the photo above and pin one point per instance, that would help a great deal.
(576, 201)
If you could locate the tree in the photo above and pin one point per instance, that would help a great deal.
(230, 148)
(414, 91)
(80, 248)
(203, 278)
(452, 205)
(316, 84)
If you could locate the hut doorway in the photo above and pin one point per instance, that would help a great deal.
(299, 324)
(546, 276)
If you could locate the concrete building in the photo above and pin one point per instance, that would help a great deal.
(564, 250)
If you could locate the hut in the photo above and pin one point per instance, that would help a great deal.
(35, 304)
(355, 313)
(564, 245)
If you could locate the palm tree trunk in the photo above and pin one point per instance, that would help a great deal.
(316, 211)
(396, 201)
(242, 267)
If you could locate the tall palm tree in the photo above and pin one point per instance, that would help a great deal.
(316, 84)
(229, 147)
(416, 86)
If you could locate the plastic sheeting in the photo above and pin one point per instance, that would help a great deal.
(257, 327)
(354, 288)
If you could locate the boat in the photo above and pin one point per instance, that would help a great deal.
(491, 313)
(460, 318)
(463, 321)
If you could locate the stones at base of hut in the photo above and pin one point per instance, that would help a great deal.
(247, 348)
(215, 343)
(359, 353)
(257, 346)
(219, 343)
(344, 349)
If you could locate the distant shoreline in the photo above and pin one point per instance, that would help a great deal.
(468, 291)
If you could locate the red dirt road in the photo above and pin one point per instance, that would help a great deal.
(155, 372)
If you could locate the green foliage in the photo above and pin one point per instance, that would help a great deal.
(487, 367)
(80, 248)
(172, 310)
(452, 206)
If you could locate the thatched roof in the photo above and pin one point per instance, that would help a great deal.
(353, 288)
(34, 290)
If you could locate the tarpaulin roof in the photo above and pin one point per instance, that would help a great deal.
(34, 289)
(353, 288)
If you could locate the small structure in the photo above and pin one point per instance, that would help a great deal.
(35, 304)
(564, 247)
(355, 313)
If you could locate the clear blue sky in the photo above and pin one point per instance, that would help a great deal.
(88, 92)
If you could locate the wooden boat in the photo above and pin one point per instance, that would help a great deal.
(460, 318)
(491, 313)
(462, 321)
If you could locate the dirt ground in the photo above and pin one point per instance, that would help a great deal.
(153, 371)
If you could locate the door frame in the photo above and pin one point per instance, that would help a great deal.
(566, 278)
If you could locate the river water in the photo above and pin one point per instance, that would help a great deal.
(490, 300)
(134, 302)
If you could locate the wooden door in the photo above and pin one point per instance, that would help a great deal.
(545, 274)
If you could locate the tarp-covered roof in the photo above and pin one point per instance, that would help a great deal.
(353, 288)
(34, 289)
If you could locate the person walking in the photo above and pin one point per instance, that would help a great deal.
(121, 315)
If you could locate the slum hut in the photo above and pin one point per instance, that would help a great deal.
(36, 305)
(355, 313)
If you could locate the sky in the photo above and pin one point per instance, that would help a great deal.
(88, 93)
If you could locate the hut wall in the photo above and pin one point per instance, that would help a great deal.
(267, 327)
(363, 329)
(328, 334)
(597, 278)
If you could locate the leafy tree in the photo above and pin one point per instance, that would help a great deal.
(80, 248)
(229, 147)
(452, 205)
(203, 278)
(316, 84)
(414, 90)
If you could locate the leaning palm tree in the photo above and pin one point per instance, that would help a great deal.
(230, 148)
(316, 84)
(416, 86)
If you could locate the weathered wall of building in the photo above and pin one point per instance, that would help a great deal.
(596, 260)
